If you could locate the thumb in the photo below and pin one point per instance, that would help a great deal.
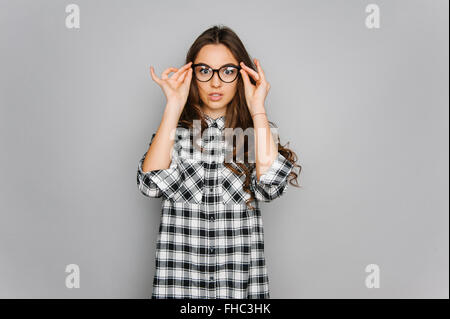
(187, 79)
(246, 80)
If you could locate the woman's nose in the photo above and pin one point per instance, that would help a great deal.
(215, 79)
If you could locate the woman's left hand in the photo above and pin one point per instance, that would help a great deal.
(255, 95)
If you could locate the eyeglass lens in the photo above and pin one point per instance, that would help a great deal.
(226, 73)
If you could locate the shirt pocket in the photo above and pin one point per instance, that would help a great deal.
(191, 186)
(233, 185)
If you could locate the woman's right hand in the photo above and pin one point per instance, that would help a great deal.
(175, 87)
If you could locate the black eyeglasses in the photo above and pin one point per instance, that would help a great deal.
(227, 73)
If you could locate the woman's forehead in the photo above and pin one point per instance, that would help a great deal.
(215, 56)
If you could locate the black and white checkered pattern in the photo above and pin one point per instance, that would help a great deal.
(210, 245)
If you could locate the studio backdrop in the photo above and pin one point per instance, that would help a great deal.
(359, 89)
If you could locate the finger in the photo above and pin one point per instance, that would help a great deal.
(180, 71)
(250, 71)
(154, 76)
(260, 70)
(188, 77)
(167, 71)
(246, 79)
(182, 76)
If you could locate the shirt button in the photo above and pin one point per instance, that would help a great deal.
(211, 250)
(211, 278)
(211, 218)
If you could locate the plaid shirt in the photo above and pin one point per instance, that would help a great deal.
(210, 245)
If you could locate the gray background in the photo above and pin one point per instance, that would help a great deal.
(365, 109)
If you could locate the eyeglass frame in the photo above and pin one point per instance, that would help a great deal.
(216, 70)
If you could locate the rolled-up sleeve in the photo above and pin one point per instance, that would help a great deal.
(274, 182)
(161, 182)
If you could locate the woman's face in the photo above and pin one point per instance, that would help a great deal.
(216, 55)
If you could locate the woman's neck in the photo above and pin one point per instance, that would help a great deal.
(214, 113)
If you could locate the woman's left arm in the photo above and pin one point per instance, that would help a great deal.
(269, 180)
(266, 151)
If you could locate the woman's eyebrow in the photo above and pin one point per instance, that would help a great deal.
(227, 64)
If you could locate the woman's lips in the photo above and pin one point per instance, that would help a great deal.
(215, 97)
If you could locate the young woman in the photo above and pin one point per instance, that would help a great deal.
(211, 241)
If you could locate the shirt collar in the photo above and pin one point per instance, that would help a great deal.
(218, 122)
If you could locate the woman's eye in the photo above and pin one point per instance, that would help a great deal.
(206, 71)
(229, 71)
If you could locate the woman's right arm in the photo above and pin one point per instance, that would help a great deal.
(159, 154)
(176, 88)
(157, 173)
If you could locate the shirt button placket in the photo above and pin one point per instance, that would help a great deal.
(212, 263)
(211, 206)
(212, 255)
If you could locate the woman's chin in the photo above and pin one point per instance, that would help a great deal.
(216, 106)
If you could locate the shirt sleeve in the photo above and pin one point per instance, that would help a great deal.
(273, 183)
(161, 182)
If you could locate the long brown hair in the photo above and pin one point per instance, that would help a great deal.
(237, 114)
